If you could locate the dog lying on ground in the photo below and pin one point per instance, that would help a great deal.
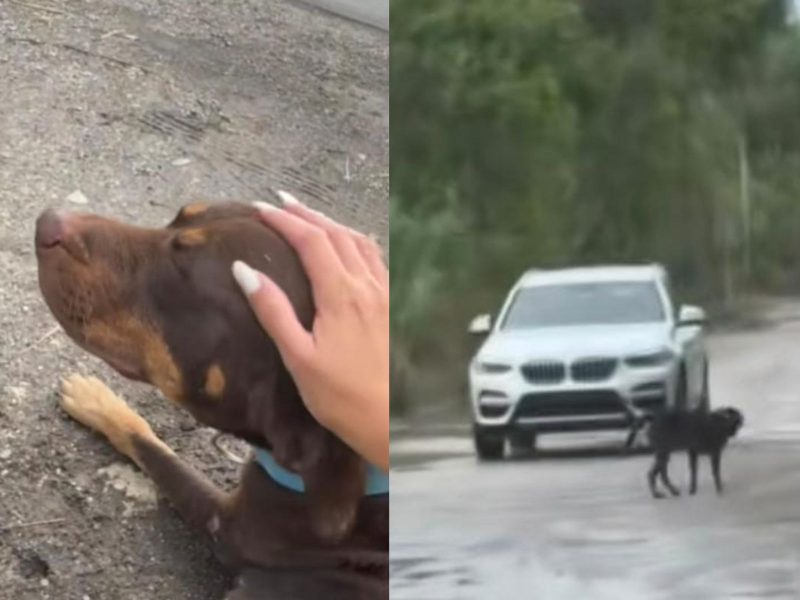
(161, 306)
(697, 433)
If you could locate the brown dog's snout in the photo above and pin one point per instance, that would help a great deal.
(52, 227)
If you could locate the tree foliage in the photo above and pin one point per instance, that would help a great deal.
(552, 132)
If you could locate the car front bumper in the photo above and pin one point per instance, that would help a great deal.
(509, 401)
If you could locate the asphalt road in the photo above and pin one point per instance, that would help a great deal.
(576, 521)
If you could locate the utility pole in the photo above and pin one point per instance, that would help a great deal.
(746, 207)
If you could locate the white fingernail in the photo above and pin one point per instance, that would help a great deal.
(246, 277)
(287, 199)
(264, 206)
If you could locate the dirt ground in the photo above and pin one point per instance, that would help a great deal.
(144, 106)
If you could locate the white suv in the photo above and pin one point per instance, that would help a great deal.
(584, 349)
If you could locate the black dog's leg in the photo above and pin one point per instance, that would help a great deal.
(715, 467)
(652, 474)
(693, 472)
(665, 478)
(634, 431)
(638, 424)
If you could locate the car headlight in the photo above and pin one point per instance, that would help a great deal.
(651, 359)
(491, 368)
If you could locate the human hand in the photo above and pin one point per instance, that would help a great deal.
(341, 367)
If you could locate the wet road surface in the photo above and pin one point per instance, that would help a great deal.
(576, 520)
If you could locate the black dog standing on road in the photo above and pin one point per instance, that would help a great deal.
(698, 433)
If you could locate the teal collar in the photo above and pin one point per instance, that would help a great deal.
(377, 481)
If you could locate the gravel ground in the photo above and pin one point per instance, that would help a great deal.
(144, 106)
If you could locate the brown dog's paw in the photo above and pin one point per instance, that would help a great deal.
(90, 402)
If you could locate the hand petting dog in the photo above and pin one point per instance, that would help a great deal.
(341, 366)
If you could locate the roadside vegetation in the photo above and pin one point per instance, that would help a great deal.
(551, 132)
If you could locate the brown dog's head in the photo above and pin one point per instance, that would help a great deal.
(161, 306)
(730, 420)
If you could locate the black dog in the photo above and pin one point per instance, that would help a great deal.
(698, 433)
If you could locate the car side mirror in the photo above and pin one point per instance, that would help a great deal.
(480, 325)
(691, 316)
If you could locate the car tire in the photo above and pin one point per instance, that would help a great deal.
(488, 446)
(522, 441)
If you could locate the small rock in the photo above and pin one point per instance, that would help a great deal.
(77, 197)
(181, 162)
(5, 453)
(135, 486)
(45, 582)
(16, 392)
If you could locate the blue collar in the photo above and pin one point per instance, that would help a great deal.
(377, 481)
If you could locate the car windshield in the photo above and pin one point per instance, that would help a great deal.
(599, 303)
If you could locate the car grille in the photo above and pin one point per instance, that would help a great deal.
(593, 369)
(578, 402)
(544, 372)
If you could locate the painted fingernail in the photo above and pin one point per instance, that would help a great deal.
(264, 206)
(246, 277)
(319, 214)
(287, 199)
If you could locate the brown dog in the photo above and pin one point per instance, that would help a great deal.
(161, 306)
(697, 432)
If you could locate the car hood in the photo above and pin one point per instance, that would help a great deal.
(569, 343)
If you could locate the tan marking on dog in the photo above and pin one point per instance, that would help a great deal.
(161, 368)
(128, 335)
(194, 209)
(89, 401)
(192, 237)
(215, 381)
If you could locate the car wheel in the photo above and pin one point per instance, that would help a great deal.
(522, 441)
(489, 446)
